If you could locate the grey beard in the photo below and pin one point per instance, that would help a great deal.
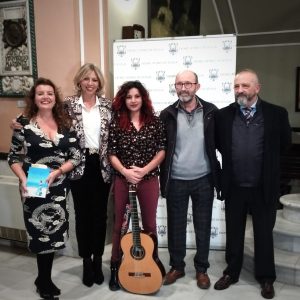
(242, 100)
(185, 99)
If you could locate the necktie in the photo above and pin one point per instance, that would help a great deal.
(247, 113)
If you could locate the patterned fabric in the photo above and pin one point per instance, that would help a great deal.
(137, 148)
(74, 109)
(46, 219)
(247, 111)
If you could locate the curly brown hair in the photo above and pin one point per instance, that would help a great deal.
(62, 119)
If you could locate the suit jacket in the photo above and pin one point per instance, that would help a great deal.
(75, 111)
(277, 138)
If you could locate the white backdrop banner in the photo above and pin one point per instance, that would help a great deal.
(155, 62)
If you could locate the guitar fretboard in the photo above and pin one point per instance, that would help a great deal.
(134, 217)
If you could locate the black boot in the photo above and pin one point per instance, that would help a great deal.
(44, 285)
(46, 290)
(43, 289)
(97, 266)
(88, 272)
(55, 289)
(114, 280)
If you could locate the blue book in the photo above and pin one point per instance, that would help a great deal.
(37, 185)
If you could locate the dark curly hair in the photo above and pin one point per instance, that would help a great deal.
(60, 116)
(120, 109)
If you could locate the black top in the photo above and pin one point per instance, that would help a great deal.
(137, 148)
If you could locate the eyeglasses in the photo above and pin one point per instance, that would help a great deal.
(187, 85)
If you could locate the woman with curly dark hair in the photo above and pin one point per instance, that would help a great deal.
(58, 111)
(90, 113)
(45, 141)
(136, 148)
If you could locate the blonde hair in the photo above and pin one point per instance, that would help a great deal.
(82, 72)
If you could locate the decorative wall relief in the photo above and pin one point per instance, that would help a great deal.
(18, 67)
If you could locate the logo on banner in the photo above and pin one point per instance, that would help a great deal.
(226, 87)
(227, 45)
(172, 89)
(162, 230)
(121, 50)
(173, 48)
(213, 74)
(160, 76)
(189, 218)
(223, 205)
(214, 232)
(135, 62)
(187, 61)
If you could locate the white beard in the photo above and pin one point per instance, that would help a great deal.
(242, 100)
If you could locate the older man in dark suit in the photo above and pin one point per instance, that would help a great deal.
(250, 134)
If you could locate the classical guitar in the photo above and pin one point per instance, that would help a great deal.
(141, 271)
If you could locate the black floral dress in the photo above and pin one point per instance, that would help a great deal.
(46, 219)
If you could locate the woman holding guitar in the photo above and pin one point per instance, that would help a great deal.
(136, 148)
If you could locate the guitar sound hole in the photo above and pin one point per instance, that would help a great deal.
(137, 252)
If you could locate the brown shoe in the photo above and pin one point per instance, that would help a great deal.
(224, 282)
(267, 290)
(172, 276)
(203, 280)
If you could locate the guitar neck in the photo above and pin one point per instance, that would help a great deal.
(134, 216)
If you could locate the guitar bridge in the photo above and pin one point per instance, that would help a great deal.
(139, 274)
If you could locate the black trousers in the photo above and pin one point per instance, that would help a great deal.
(239, 203)
(90, 196)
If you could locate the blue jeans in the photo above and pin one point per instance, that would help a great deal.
(201, 192)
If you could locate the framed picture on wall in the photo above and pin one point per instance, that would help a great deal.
(168, 18)
(297, 107)
(18, 67)
(133, 32)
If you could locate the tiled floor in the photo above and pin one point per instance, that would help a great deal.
(18, 269)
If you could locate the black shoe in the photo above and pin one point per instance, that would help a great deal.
(224, 282)
(267, 290)
(114, 280)
(44, 289)
(88, 272)
(97, 267)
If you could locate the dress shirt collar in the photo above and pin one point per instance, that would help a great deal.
(80, 101)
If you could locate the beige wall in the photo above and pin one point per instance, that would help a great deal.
(57, 41)
(8, 109)
(58, 49)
